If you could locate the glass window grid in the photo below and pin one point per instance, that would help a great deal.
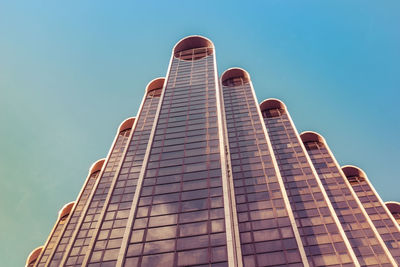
(314, 219)
(70, 227)
(273, 113)
(155, 92)
(52, 242)
(379, 216)
(110, 234)
(180, 215)
(266, 234)
(362, 239)
(81, 240)
(194, 54)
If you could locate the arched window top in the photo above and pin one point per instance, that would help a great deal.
(96, 166)
(30, 261)
(154, 87)
(354, 174)
(393, 206)
(66, 210)
(272, 108)
(235, 77)
(193, 48)
(312, 140)
(126, 124)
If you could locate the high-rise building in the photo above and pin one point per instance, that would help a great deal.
(204, 175)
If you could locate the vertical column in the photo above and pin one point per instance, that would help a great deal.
(89, 218)
(33, 256)
(266, 223)
(394, 208)
(385, 224)
(321, 232)
(72, 220)
(360, 231)
(55, 234)
(107, 238)
(178, 216)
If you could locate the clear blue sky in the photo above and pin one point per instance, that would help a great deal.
(71, 71)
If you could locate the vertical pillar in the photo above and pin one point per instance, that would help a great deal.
(268, 233)
(83, 232)
(321, 232)
(360, 231)
(107, 237)
(178, 216)
(55, 234)
(87, 220)
(60, 245)
(384, 222)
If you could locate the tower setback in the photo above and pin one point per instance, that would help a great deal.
(206, 176)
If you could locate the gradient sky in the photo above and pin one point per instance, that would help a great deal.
(71, 72)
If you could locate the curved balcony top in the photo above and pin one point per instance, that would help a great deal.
(126, 124)
(66, 209)
(228, 77)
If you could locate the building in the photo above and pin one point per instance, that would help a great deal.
(204, 175)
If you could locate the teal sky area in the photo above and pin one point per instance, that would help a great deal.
(72, 71)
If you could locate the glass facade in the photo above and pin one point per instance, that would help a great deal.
(362, 235)
(179, 220)
(266, 233)
(385, 224)
(108, 237)
(48, 248)
(206, 177)
(79, 243)
(321, 236)
(61, 244)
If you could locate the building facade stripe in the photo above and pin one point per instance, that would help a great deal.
(80, 238)
(179, 220)
(108, 237)
(267, 234)
(361, 233)
(55, 234)
(235, 257)
(127, 232)
(71, 222)
(323, 227)
(280, 181)
(385, 224)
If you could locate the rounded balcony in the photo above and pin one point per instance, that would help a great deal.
(272, 107)
(235, 77)
(154, 87)
(97, 166)
(30, 261)
(126, 124)
(193, 47)
(66, 209)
